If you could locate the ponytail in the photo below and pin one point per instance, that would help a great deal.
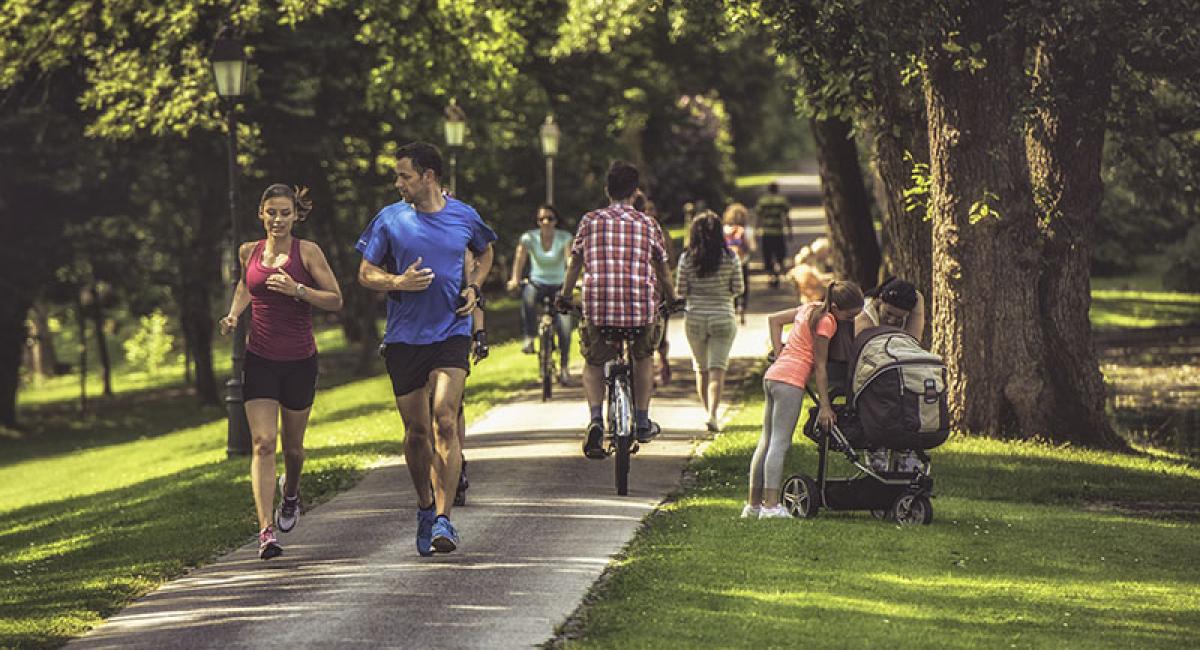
(842, 294)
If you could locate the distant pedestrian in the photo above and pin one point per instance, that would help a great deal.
(774, 231)
(546, 248)
(738, 240)
(709, 278)
(283, 277)
(803, 358)
(643, 204)
(416, 251)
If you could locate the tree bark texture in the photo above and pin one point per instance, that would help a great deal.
(847, 203)
(97, 316)
(985, 267)
(1065, 148)
(45, 359)
(907, 236)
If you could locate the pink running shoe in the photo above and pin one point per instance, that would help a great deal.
(268, 546)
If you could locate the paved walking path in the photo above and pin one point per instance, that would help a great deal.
(541, 524)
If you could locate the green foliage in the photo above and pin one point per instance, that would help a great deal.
(916, 196)
(984, 208)
(149, 346)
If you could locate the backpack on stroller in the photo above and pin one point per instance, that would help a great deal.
(894, 410)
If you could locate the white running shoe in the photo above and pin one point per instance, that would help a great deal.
(778, 512)
(750, 512)
(288, 512)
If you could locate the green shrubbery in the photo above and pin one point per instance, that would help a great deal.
(148, 348)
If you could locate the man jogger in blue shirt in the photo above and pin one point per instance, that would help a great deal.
(414, 251)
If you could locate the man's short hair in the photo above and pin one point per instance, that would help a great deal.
(423, 156)
(773, 188)
(899, 293)
(622, 180)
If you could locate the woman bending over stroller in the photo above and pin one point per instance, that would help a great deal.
(897, 303)
(805, 355)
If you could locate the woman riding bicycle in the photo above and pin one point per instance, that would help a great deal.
(547, 248)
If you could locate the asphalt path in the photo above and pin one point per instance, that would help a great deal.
(540, 526)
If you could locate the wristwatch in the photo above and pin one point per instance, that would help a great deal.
(301, 290)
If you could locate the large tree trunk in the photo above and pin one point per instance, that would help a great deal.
(986, 263)
(12, 343)
(847, 203)
(901, 144)
(1065, 148)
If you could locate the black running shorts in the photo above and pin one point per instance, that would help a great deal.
(409, 365)
(291, 383)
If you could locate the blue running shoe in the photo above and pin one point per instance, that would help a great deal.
(445, 538)
(425, 524)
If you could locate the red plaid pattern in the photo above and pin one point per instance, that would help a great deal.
(618, 245)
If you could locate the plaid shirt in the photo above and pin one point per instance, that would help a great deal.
(618, 245)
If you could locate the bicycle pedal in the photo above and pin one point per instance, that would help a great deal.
(633, 448)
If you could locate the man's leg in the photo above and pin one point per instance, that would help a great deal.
(447, 386)
(418, 442)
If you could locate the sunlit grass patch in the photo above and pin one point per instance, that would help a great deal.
(1114, 308)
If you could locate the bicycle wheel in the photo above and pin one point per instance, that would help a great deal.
(622, 421)
(546, 360)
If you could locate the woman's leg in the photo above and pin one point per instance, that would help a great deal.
(716, 386)
(760, 452)
(696, 329)
(701, 383)
(787, 399)
(263, 415)
(294, 425)
(529, 313)
(721, 334)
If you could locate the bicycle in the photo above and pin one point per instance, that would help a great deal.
(620, 424)
(546, 345)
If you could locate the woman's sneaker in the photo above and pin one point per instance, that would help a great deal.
(750, 512)
(288, 512)
(268, 546)
(778, 512)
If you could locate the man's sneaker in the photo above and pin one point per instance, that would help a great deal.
(425, 520)
(288, 512)
(593, 447)
(750, 512)
(268, 546)
(445, 538)
(778, 512)
(460, 494)
(648, 433)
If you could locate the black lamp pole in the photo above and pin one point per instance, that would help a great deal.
(229, 71)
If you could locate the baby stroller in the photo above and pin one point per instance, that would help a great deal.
(893, 412)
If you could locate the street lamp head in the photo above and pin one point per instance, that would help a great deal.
(456, 124)
(550, 133)
(228, 61)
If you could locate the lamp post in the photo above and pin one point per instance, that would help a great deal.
(549, 133)
(228, 61)
(456, 128)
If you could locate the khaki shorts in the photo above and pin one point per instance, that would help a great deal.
(711, 337)
(597, 351)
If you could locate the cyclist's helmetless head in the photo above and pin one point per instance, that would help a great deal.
(622, 181)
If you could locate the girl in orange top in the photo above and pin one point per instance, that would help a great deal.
(807, 350)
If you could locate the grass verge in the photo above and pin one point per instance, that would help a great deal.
(1117, 308)
(95, 514)
(1031, 546)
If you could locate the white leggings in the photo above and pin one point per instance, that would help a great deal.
(780, 416)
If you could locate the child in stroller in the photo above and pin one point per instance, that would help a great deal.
(894, 410)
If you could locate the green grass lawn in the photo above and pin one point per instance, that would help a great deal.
(1030, 547)
(1122, 308)
(96, 511)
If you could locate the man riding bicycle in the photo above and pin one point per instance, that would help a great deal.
(623, 252)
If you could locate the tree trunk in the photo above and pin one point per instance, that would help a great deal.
(12, 342)
(902, 142)
(97, 314)
(847, 203)
(45, 359)
(986, 263)
(197, 324)
(1065, 149)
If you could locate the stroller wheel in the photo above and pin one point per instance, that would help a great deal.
(912, 509)
(799, 496)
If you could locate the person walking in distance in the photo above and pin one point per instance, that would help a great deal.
(623, 252)
(710, 279)
(546, 248)
(738, 240)
(283, 277)
(774, 231)
(415, 250)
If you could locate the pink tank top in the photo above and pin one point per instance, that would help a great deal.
(281, 327)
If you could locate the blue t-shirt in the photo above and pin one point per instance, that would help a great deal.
(396, 237)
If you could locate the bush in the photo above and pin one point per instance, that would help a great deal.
(148, 348)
